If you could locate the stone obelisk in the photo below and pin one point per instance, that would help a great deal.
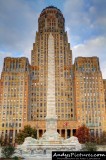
(51, 133)
(51, 118)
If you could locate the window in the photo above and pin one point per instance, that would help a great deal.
(71, 115)
(2, 124)
(19, 124)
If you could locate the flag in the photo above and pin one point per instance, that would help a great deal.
(66, 124)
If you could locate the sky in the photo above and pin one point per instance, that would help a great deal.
(85, 22)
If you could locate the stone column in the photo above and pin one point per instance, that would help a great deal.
(51, 118)
(37, 133)
(51, 79)
(51, 133)
(60, 131)
(13, 135)
(65, 133)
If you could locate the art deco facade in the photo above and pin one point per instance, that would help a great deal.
(89, 93)
(79, 90)
(52, 21)
(15, 79)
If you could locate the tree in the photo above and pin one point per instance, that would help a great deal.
(102, 138)
(90, 146)
(8, 151)
(28, 131)
(83, 134)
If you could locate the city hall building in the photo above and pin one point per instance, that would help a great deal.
(80, 91)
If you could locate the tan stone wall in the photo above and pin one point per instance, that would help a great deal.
(89, 93)
(14, 96)
(104, 83)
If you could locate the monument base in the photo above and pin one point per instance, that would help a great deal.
(33, 146)
(50, 141)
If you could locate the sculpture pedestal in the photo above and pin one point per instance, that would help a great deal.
(51, 136)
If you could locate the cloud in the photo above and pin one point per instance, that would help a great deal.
(85, 24)
(86, 19)
(18, 25)
(93, 47)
